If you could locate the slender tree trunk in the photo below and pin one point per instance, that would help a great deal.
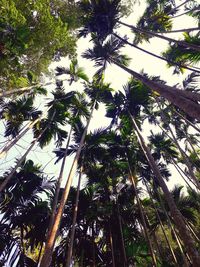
(58, 185)
(180, 30)
(121, 235)
(177, 216)
(185, 13)
(154, 55)
(73, 228)
(47, 257)
(180, 171)
(40, 253)
(19, 162)
(93, 248)
(111, 246)
(185, 119)
(192, 146)
(4, 93)
(175, 8)
(146, 232)
(22, 242)
(11, 143)
(162, 227)
(185, 259)
(153, 34)
(184, 155)
(179, 98)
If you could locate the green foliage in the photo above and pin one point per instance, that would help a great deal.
(183, 55)
(32, 35)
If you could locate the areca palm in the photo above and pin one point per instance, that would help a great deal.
(99, 91)
(179, 220)
(74, 71)
(104, 16)
(109, 53)
(21, 197)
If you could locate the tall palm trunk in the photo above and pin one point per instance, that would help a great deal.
(154, 34)
(11, 143)
(17, 91)
(146, 232)
(93, 248)
(58, 185)
(162, 227)
(4, 93)
(183, 154)
(155, 55)
(121, 236)
(19, 162)
(175, 8)
(73, 228)
(185, 119)
(182, 173)
(179, 244)
(186, 12)
(177, 216)
(181, 30)
(111, 246)
(49, 246)
(180, 98)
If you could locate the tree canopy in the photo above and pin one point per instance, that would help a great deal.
(122, 194)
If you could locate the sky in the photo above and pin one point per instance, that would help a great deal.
(117, 78)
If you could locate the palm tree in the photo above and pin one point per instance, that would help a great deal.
(15, 113)
(20, 199)
(104, 16)
(99, 91)
(174, 210)
(74, 71)
(109, 53)
(78, 109)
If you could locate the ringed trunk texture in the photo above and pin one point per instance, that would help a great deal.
(177, 216)
(179, 98)
(49, 246)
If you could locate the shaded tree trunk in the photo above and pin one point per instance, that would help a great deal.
(177, 216)
(72, 233)
(58, 185)
(47, 257)
(19, 162)
(146, 232)
(111, 246)
(180, 98)
(11, 143)
(162, 227)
